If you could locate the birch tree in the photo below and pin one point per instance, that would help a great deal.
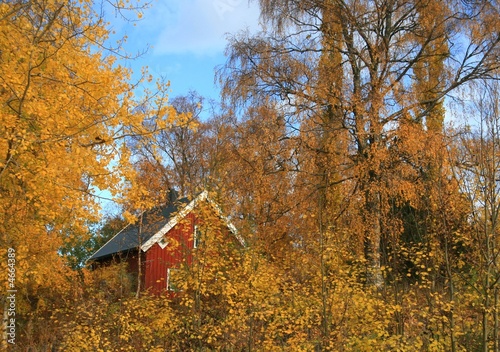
(477, 168)
(372, 64)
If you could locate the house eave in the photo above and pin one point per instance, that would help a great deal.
(95, 256)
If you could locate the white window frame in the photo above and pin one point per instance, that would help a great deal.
(196, 236)
(169, 288)
(163, 242)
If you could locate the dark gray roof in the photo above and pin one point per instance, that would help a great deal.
(128, 238)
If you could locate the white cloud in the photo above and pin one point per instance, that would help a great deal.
(198, 26)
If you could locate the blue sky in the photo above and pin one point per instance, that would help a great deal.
(186, 39)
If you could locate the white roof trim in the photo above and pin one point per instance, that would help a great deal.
(231, 227)
(174, 221)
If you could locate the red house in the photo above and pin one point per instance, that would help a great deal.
(165, 239)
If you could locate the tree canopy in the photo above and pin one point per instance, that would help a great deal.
(355, 148)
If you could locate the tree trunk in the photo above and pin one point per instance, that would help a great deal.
(139, 259)
(372, 239)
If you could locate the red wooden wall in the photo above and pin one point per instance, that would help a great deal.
(176, 253)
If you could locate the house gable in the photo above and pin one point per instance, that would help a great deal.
(157, 237)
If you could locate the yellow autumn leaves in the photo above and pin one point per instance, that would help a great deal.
(66, 108)
(352, 198)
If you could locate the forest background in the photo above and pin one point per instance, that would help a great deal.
(370, 222)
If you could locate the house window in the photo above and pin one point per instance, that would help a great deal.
(163, 242)
(173, 279)
(196, 236)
